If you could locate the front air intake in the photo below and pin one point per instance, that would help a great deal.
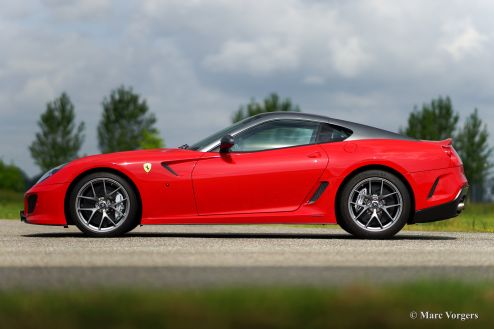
(31, 203)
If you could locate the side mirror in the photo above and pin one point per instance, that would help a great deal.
(226, 143)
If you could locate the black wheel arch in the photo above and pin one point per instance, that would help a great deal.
(375, 167)
(68, 218)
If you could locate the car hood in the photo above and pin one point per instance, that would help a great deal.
(166, 154)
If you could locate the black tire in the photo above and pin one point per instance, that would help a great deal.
(132, 227)
(385, 226)
(129, 218)
(343, 225)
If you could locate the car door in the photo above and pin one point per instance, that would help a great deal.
(271, 168)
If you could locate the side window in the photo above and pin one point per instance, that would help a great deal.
(329, 133)
(276, 134)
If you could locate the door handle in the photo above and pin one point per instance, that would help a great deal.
(315, 155)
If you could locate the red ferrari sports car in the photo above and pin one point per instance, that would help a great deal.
(278, 167)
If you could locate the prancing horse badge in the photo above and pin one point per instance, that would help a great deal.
(147, 167)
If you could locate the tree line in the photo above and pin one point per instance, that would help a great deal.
(126, 123)
(438, 120)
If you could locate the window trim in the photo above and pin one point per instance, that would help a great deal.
(319, 123)
(336, 127)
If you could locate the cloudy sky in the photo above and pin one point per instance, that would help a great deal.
(195, 61)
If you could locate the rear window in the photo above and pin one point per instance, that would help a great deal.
(330, 133)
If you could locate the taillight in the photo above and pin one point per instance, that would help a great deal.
(451, 153)
(447, 149)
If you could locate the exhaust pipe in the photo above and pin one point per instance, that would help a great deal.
(461, 207)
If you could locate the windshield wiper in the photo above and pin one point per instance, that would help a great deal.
(185, 146)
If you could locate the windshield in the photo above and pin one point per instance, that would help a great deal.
(217, 136)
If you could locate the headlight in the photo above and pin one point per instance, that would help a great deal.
(50, 173)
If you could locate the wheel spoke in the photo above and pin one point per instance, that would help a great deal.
(113, 211)
(360, 214)
(89, 209)
(357, 204)
(87, 198)
(115, 190)
(107, 216)
(362, 201)
(389, 215)
(374, 215)
(94, 192)
(101, 222)
(91, 217)
(379, 221)
(388, 195)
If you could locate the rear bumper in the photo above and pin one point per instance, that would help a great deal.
(443, 211)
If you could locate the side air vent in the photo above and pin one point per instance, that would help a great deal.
(167, 167)
(320, 190)
(433, 189)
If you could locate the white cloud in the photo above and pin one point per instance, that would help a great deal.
(348, 57)
(197, 61)
(259, 57)
(314, 80)
(462, 39)
(80, 9)
(287, 36)
(37, 89)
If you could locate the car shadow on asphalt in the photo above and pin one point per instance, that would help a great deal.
(228, 235)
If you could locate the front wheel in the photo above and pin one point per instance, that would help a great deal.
(374, 204)
(103, 205)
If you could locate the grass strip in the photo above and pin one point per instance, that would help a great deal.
(354, 306)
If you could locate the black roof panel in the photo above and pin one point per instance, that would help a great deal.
(360, 131)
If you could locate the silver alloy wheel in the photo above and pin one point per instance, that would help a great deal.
(102, 204)
(375, 204)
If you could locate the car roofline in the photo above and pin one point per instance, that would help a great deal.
(359, 131)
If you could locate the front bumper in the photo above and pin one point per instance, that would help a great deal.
(443, 211)
(44, 205)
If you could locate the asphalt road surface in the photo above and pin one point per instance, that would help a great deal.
(190, 256)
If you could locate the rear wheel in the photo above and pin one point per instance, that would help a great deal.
(374, 204)
(104, 205)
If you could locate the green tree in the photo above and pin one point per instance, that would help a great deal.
(11, 177)
(435, 121)
(271, 103)
(473, 147)
(126, 123)
(59, 139)
(151, 140)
